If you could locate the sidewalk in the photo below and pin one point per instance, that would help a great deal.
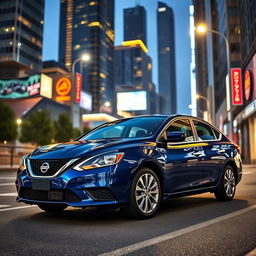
(8, 168)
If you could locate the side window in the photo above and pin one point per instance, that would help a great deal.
(204, 131)
(182, 125)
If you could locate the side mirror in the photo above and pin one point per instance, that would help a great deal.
(175, 136)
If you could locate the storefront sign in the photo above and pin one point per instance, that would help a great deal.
(20, 88)
(247, 84)
(236, 81)
(63, 89)
(78, 87)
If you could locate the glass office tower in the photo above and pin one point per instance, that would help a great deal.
(135, 24)
(21, 32)
(166, 59)
(88, 27)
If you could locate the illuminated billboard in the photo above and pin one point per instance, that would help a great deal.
(86, 101)
(46, 86)
(20, 88)
(132, 101)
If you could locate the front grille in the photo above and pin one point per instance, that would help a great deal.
(54, 165)
(52, 195)
(101, 194)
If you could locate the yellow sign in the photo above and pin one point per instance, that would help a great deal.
(63, 88)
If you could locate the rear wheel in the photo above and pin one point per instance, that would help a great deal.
(145, 195)
(227, 187)
(52, 208)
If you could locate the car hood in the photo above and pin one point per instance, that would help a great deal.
(76, 149)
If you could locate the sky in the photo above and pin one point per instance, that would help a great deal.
(182, 39)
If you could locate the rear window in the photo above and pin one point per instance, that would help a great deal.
(217, 134)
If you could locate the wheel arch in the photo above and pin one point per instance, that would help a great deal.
(155, 168)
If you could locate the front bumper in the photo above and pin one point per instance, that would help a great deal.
(102, 186)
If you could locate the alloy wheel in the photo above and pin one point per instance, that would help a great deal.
(229, 182)
(147, 193)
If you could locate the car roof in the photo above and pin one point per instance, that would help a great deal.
(168, 117)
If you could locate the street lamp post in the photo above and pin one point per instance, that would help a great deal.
(204, 29)
(198, 96)
(75, 113)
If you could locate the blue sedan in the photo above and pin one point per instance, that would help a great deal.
(132, 163)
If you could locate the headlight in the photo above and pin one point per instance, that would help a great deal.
(23, 165)
(99, 161)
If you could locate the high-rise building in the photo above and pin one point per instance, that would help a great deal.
(133, 72)
(87, 26)
(166, 59)
(246, 118)
(135, 24)
(21, 32)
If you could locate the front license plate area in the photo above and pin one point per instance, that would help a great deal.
(41, 185)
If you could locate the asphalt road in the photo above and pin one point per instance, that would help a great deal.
(195, 225)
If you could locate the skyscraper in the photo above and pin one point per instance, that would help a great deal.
(21, 30)
(87, 26)
(133, 72)
(135, 24)
(166, 59)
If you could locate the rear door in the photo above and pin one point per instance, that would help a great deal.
(212, 159)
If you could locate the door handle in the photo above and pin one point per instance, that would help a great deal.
(221, 151)
(198, 153)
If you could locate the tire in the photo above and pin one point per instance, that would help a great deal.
(52, 208)
(227, 187)
(145, 195)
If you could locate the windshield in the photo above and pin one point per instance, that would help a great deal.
(127, 128)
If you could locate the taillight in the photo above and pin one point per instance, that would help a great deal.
(238, 148)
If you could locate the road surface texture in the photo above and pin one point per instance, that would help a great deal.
(195, 225)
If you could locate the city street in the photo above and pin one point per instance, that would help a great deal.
(196, 225)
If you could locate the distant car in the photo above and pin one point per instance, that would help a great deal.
(133, 163)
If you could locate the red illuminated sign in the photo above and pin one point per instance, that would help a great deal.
(78, 87)
(236, 81)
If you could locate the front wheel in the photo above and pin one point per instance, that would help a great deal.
(145, 195)
(52, 208)
(227, 187)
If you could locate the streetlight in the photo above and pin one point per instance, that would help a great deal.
(19, 121)
(75, 108)
(198, 96)
(203, 29)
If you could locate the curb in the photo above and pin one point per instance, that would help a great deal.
(8, 169)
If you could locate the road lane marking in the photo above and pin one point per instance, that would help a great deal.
(7, 184)
(247, 172)
(162, 238)
(4, 206)
(17, 208)
(9, 194)
(7, 178)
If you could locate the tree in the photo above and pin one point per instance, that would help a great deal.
(76, 133)
(63, 128)
(8, 125)
(38, 128)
